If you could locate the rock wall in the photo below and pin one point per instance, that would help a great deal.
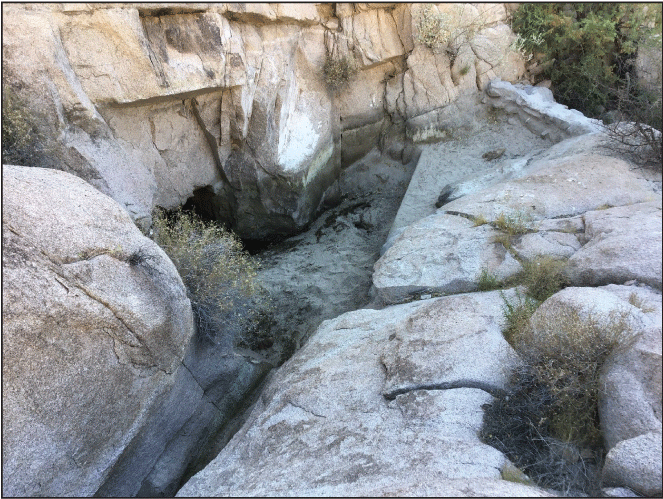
(95, 325)
(227, 103)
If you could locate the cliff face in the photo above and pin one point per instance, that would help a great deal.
(228, 103)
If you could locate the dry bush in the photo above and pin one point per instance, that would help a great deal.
(440, 31)
(338, 70)
(220, 277)
(548, 424)
(433, 28)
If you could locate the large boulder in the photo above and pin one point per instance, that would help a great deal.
(622, 243)
(636, 463)
(378, 402)
(96, 323)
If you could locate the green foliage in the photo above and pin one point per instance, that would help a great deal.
(517, 316)
(513, 224)
(587, 48)
(22, 143)
(221, 278)
(488, 281)
(338, 71)
(543, 276)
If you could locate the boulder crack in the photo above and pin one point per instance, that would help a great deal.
(306, 410)
(211, 141)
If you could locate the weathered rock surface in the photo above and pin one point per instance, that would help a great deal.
(226, 105)
(560, 197)
(95, 326)
(347, 415)
(536, 108)
(636, 463)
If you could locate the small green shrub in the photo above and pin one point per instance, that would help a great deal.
(543, 276)
(464, 70)
(22, 142)
(338, 71)
(433, 28)
(488, 281)
(221, 278)
(517, 315)
(513, 224)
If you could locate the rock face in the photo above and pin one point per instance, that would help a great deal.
(225, 105)
(95, 326)
(379, 402)
(561, 200)
(350, 414)
(106, 388)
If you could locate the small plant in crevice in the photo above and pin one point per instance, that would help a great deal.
(543, 276)
(220, 277)
(480, 220)
(338, 70)
(513, 224)
(433, 28)
(488, 281)
(517, 315)
(638, 302)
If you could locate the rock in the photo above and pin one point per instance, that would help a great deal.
(439, 164)
(636, 463)
(537, 109)
(325, 416)
(442, 254)
(630, 405)
(95, 326)
(618, 492)
(224, 107)
(559, 185)
(492, 155)
(622, 243)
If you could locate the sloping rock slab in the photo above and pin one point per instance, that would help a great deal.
(95, 325)
(325, 424)
(440, 254)
(560, 187)
(445, 253)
